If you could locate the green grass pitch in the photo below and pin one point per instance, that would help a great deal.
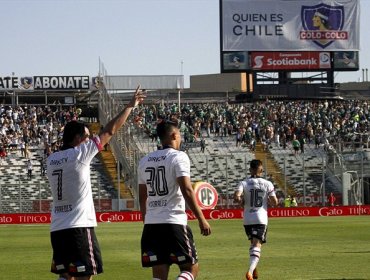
(297, 248)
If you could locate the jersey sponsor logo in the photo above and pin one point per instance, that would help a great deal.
(58, 161)
(156, 159)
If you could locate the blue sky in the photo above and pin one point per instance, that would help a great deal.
(132, 37)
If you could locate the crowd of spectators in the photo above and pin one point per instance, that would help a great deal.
(280, 122)
(267, 122)
(24, 126)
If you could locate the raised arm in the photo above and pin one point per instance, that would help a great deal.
(118, 121)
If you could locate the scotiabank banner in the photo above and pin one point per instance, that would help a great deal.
(214, 214)
(271, 61)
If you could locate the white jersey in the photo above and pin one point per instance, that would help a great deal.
(256, 192)
(159, 171)
(68, 173)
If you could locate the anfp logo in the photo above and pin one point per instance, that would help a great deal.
(206, 195)
(323, 24)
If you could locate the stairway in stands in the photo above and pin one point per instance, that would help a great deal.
(272, 169)
(108, 160)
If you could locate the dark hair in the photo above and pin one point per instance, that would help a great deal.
(165, 127)
(255, 163)
(72, 129)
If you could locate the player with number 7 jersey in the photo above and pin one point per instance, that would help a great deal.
(76, 251)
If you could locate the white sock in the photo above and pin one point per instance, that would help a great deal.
(254, 254)
(185, 275)
(156, 279)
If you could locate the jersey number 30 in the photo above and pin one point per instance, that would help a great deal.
(157, 181)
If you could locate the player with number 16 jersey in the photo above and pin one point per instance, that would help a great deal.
(256, 191)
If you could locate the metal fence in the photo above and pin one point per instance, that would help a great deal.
(24, 197)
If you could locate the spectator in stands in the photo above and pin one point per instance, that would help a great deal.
(42, 167)
(296, 145)
(302, 142)
(29, 169)
(76, 253)
(293, 202)
(163, 209)
(202, 145)
(287, 201)
(22, 146)
(3, 155)
(331, 199)
(255, 193)
(283, 141)
(317, 140)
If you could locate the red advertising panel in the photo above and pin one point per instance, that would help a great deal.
(272, 61)
(214, 214)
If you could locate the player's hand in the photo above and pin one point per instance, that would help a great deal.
(205, 228)
(239, 199)
(138, 97)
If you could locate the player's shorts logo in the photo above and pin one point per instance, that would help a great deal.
(323, 24)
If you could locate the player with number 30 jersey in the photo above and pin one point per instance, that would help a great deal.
(164, 188)
(165, 202)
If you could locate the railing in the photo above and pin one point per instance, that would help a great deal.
(26, 197)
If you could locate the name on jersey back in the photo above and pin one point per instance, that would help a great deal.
(158, 203)
(63, 208)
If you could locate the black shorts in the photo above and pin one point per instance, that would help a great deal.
(258, 231)
(167, 244)
(76, 252)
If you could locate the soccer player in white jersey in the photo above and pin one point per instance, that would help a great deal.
(255, 193)
(76, 253)
(164, 187)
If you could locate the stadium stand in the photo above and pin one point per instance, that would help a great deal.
(341, 125)
(18, 193)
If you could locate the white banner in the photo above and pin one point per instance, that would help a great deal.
(294, 25)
